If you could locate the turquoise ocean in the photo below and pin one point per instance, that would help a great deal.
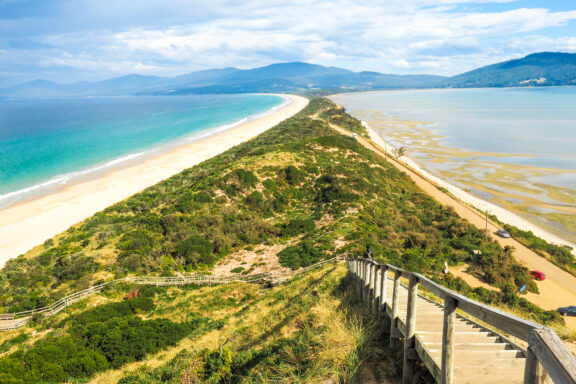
(47, 143)
(515, 147)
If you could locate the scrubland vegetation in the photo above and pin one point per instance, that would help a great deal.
(559, 255)
(308, 330)
(300, 185)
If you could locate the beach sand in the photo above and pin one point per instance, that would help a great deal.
(28, 224)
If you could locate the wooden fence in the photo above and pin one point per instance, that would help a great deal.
(545, 350)
(10, 321)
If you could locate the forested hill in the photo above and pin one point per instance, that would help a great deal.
(539, 69)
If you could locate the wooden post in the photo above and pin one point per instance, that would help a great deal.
(409, 338)
(367, 283)
(533, 371)
(531, 368)
(362, 278)
(359, 279)
(395, 301)
(377, 282)
(448, 341)
(372, 287)
(383, 287)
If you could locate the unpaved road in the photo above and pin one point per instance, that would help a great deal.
(558, 290)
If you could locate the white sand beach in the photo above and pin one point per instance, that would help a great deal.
(28, 224)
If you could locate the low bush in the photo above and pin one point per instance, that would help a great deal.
(301, 255)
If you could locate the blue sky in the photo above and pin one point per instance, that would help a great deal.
(77, 40)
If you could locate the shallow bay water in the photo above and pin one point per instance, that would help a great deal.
(515, 147)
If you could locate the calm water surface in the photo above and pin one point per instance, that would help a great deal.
(513, 146)
(49, 142)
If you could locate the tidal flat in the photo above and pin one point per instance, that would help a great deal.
(528, 191)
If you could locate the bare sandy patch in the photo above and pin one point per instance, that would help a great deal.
(474, 282)
(262, 259)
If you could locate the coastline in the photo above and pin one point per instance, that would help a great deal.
(469, 199)
(27, 224)
(60, 181)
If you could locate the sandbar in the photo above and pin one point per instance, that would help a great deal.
(30, 223)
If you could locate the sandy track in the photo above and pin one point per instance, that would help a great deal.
(558, 290)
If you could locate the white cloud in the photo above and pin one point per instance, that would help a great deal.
(411, 36)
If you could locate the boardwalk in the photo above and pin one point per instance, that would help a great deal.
(11, 321)
(454, 348)
(481, 356)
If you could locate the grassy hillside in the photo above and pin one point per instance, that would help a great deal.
(304, 331)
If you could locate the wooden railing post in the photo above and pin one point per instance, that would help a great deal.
(383, 287)
(533, 372)
(395, 301)
(448, 341)
(367, 283)
(409, 338)
(377, 282)
(362, 270)
(362, 278)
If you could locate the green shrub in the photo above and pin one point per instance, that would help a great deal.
(255, 200)
(139, 241)
(246, 178)
(195, 250)
(301, 255)
(6, 345)
(295, 227)
(114, 310)
(293, 175)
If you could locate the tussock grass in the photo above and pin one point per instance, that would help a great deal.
(304, 331)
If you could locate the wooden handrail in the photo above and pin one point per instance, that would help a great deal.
(64, 302)
(545, 350)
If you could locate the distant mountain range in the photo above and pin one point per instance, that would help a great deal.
(539, 69)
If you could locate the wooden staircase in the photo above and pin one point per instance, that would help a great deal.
(465, 347)
(480, 355)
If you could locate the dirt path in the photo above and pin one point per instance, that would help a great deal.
(474, 282)
(558, 290)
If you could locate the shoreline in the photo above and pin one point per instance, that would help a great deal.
(501, 213)
(62, 181)
(27, 224)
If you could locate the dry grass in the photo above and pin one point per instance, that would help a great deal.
(307, 313)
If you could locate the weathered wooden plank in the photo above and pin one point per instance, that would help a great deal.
(428, 361)
(556, 359)
(395, 303)
(409, 339)
(499, 319)
(448, 341)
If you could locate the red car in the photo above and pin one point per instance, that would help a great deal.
(538, 275)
